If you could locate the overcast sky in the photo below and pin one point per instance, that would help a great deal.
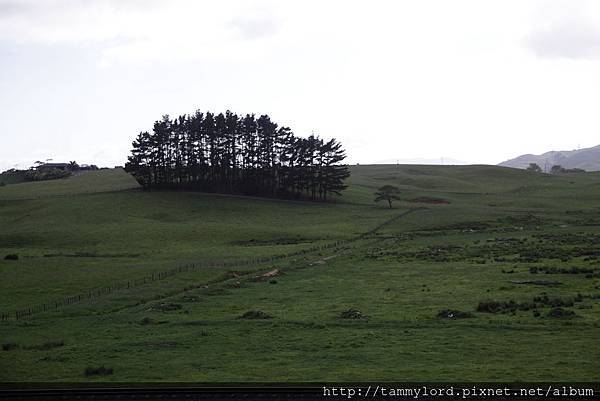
(477, 81)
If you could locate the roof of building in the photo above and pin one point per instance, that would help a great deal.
(54, 165)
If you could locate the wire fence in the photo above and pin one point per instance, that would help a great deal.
(189, 267)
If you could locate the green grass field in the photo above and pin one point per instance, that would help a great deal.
(516, 251)
(88, 182)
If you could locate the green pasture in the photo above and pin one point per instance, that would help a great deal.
(478, 236)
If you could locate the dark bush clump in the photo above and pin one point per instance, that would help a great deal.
(46, 174)
(561, 313)
(504, 306)
(9, 346)
(558, 270)
(495, 306)
(256, 314)
(146, 321)
(351, 314)
(554, 302)
(100, 371)
(11, 256)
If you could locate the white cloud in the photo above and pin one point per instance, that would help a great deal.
(565, 30)
(567, 39)
(256, 26)
(479, 81)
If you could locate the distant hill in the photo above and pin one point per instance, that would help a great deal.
(587, 159)
(440, 161)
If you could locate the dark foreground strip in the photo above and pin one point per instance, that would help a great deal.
(327, 391)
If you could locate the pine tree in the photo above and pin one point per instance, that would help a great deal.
(231, 154)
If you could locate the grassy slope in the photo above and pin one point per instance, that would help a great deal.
(88, 182)
(306, 340)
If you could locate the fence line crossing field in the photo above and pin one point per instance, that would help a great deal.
(477, 273)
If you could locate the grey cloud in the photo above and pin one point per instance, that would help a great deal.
(567, 39)
(10, 8)
(33, 8)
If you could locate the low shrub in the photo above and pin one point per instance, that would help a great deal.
(99, 371)
(559, 270)
(256, 314)
(555, 302)
(495, 306)
(351, 314)
(146, 321)
(11, 256)
(8, 346)
(560, 313)
(504, 306)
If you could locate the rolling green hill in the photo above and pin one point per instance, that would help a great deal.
(84, 183)
(275, 290)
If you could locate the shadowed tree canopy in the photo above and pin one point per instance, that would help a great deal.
(534, 167)
(237, 154)
(387, 193)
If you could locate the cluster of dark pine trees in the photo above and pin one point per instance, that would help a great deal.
(232, 154)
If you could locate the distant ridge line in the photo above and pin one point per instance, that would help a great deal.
(587, 159)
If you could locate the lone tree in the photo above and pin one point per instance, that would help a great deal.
(387, 193)
(534, 167)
